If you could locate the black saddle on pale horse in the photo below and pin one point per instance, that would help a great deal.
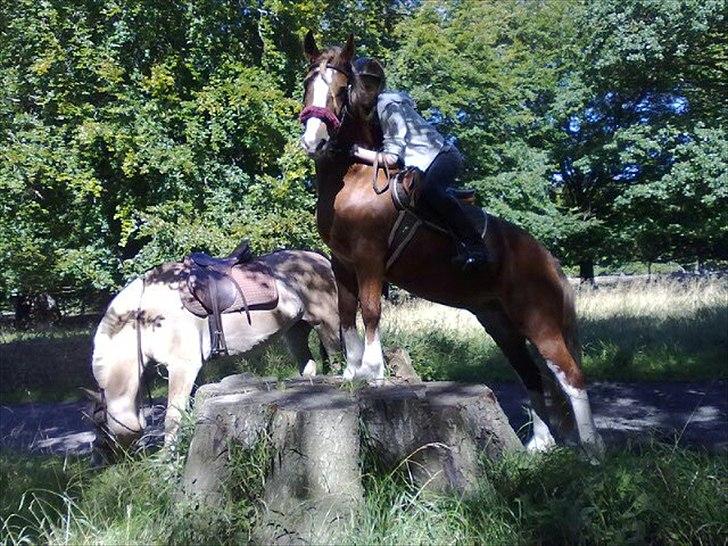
(236, 283)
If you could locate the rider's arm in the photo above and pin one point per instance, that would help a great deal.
(394, 131)
(370, 156)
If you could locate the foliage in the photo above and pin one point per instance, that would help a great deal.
(587, 123)
(134, 131)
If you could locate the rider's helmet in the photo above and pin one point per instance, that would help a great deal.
(371, 79)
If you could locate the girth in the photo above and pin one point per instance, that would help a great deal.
(404, 188)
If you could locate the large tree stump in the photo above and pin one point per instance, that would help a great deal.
(318, 433)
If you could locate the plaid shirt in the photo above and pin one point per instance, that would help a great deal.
(406, 134)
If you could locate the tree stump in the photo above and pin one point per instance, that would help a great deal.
(316, 435)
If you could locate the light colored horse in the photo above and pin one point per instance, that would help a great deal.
(147, 322)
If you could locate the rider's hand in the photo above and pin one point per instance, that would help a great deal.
(353, 150)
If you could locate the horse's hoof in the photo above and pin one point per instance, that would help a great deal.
(595, 449)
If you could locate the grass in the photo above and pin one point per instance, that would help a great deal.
(653, 494)
(666, 330)
(661, 331)
(45, 365)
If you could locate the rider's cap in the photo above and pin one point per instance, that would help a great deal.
(364, 66)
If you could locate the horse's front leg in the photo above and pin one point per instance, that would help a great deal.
(370, 297)
(182, 374)
(348, 291)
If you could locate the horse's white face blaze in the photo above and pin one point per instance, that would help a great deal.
(316, 133)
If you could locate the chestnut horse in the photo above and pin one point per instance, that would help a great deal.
(522, 297)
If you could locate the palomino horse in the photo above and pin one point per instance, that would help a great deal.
(523, 297)
(147, 321)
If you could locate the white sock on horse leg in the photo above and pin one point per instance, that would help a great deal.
(354, 351)
(372, 365)
(309, 370)
(579, 399)
(542, 439)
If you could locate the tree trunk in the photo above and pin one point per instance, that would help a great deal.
(314, 437)
(586, 271)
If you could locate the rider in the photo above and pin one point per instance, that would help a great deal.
(410, 141)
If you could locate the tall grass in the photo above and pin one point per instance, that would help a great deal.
(654, 494)
(663, 330)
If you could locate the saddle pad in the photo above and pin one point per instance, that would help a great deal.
(255, 281)
(408, 223)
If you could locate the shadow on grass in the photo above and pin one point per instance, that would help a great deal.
(45, 368)
(46, 478)
(692, 347)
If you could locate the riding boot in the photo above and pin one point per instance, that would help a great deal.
(472, 252)
(442, 173)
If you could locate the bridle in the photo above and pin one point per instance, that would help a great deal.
(326, 115)
(101, 421)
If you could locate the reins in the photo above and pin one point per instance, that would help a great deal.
(379, 158)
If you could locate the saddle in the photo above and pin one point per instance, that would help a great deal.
(405, 185)
(404, 188)
(235, 283)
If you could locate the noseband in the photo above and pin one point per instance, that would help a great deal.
(326, 115)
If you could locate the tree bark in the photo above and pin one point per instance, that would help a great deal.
(586, 271)
(318, 434)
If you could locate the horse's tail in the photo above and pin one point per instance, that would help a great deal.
(115, 341)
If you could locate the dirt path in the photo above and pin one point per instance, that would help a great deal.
(696, 414)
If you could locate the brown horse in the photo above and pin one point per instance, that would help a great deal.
(523, 297)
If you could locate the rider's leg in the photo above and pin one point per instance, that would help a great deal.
(438, 177)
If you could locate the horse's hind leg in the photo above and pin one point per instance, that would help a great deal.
(568, 373)
(514, 347)
(550, 326)
(297, 340)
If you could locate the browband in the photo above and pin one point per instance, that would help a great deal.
(345, 70)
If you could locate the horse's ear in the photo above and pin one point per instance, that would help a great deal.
(310, 49)
(347, 53)
(93, 396)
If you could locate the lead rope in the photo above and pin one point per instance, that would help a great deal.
(140, 354)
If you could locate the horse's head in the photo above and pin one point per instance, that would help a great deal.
(112, 433)
(326, 92)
